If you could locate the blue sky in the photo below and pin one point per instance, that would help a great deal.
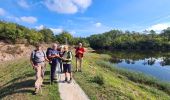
(87, 17)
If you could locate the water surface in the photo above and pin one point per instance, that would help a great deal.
(156, 64)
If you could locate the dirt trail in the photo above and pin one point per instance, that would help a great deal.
(71, 91)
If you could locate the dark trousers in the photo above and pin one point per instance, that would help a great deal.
(53, 69)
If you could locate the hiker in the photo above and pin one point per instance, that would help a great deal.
(79, 56)
(38, 58)
(66, 60)
(54, 56)
(60, 49)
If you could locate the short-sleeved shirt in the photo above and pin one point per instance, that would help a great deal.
(38, 56)
(51, 53)
(79, 55)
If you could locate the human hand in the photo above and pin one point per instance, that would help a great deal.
(56, 55)
(63, 59)
(80, 52)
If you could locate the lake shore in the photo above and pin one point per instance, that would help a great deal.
(102, 80)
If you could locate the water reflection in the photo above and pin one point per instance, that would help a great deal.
(156, 64)
(163, 61)
(132, 58)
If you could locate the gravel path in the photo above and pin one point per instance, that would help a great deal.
(71, 91)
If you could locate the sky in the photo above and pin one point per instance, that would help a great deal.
(83, 18)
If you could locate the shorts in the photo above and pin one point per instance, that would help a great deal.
(67, 68)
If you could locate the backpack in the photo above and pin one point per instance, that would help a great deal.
(69, 54)
(48, 52)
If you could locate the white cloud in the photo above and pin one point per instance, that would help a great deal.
(159, 27)
(23, 3)
(13, 18)
(83, 3)
(29, 19)
(39, 27)
(2, 12)
(57, 30)
(26, 19)
(98, 24)
(67, 6)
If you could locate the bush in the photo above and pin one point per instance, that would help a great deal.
(98, 79)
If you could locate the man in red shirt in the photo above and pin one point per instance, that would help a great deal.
(79, 56)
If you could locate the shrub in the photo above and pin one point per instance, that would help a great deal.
(98, 79)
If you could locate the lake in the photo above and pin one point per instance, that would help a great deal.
(156, 64)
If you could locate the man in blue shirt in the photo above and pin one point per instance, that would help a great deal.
(54, 55)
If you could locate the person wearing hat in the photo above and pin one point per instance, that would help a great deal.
(38, 58)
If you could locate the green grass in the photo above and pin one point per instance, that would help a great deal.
(100, 80)
(117, 84)
(138, 77)
(17, 82)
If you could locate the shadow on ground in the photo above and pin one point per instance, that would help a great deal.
(21, 85)
(17, 85)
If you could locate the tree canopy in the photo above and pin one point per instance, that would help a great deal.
(114, 39)
(14, 33)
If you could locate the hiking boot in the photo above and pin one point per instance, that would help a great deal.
(66, 79)
(70, 80)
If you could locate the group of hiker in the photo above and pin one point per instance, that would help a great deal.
(59, 58)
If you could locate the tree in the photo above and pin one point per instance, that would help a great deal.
(61, 38)
(33, 37)
(48, 35)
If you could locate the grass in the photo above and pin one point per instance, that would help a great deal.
(102, 81)
(138, 77)
(17, 82)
